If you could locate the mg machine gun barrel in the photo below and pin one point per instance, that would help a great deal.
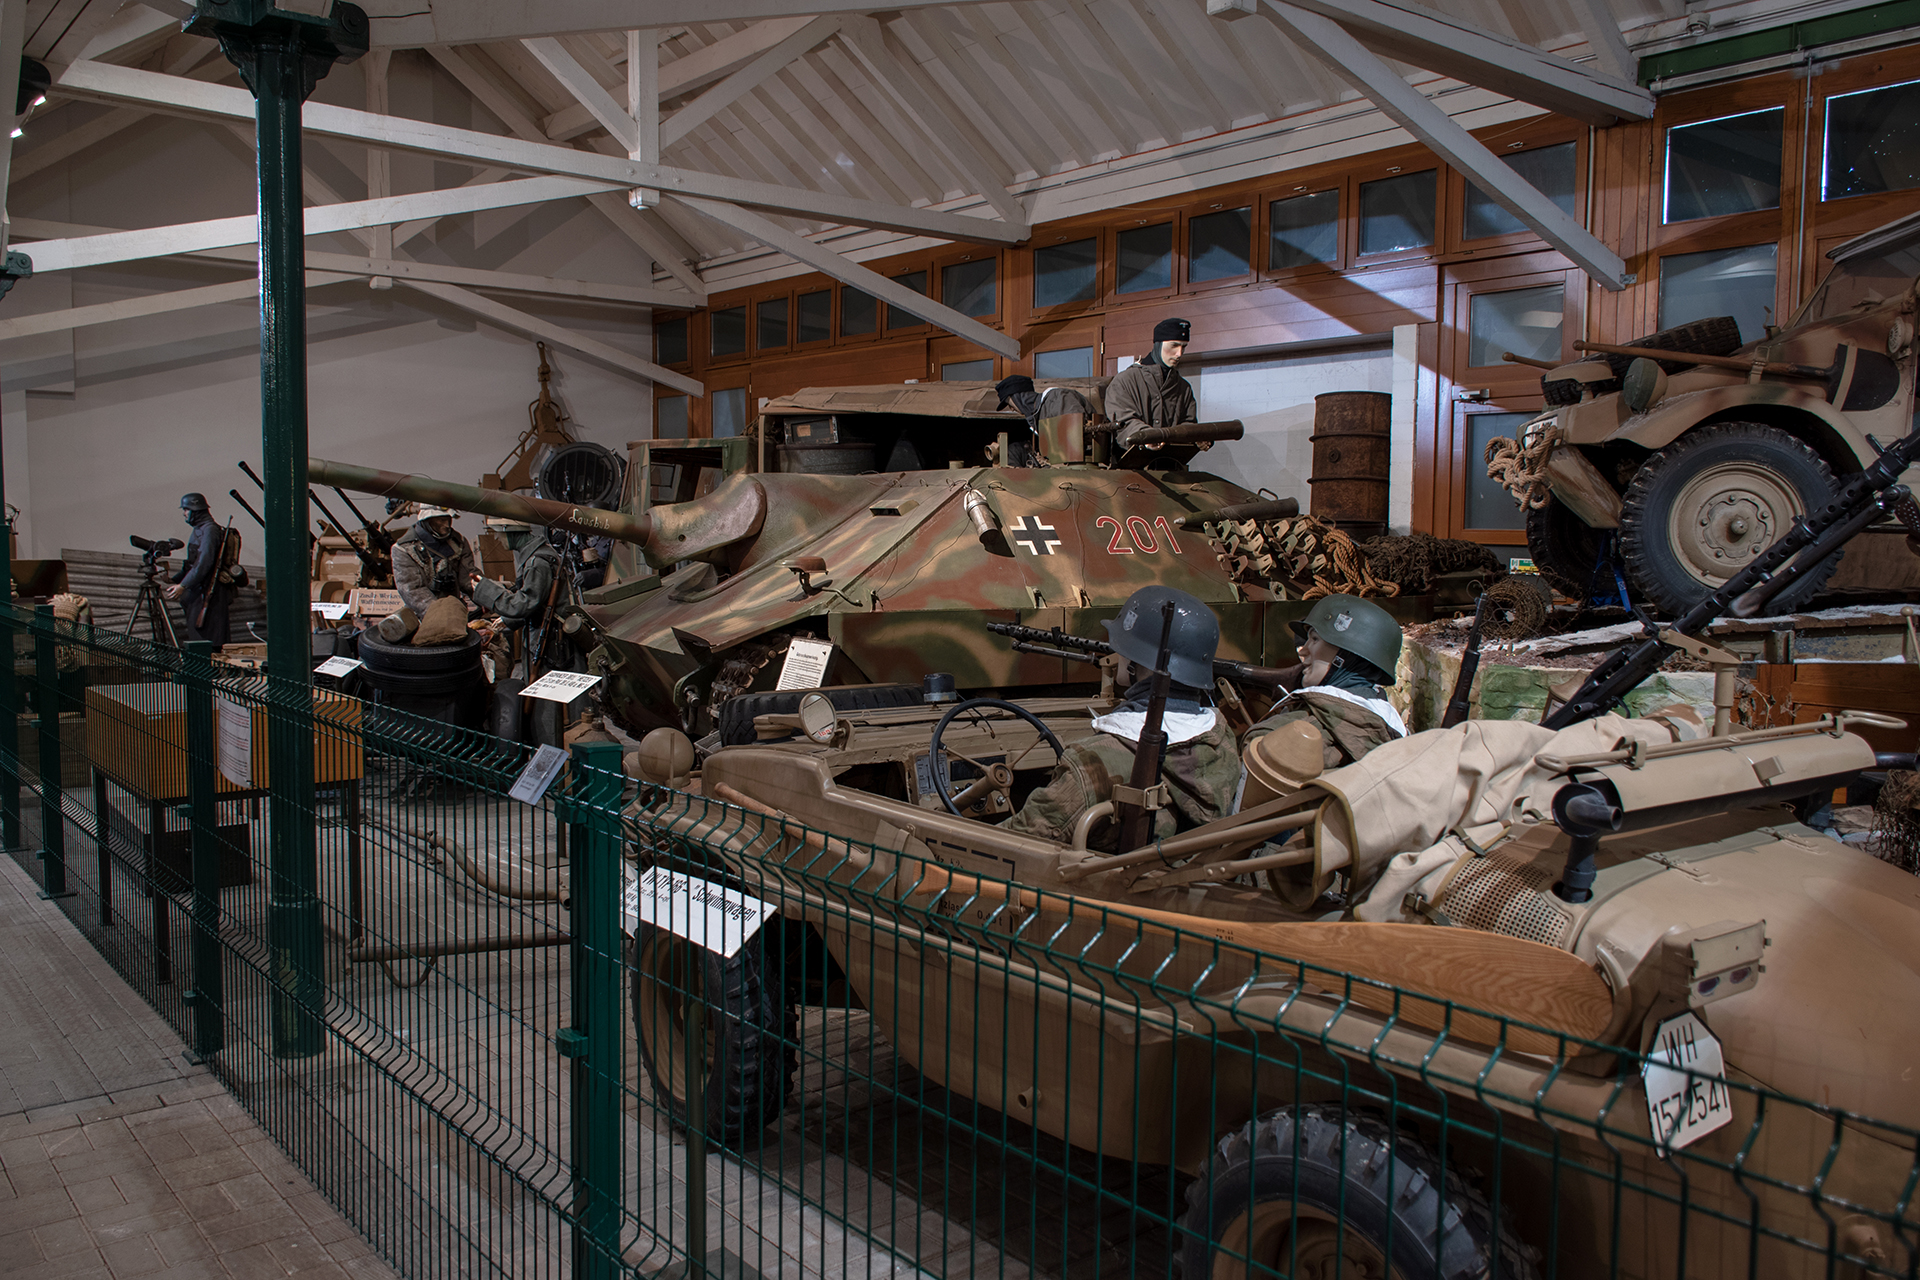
(1055, 643)
(1188, 433)
(1872, 493)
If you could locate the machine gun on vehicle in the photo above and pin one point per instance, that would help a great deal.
(1055, 643)
(1873, 493)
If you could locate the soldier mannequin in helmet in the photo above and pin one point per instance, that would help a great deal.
(1201, 767)
(535, 564)
(199, 578)
(433, 560)
(1349, 648)
(1152, 393)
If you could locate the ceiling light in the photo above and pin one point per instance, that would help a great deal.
(17, 131)
(40, 101)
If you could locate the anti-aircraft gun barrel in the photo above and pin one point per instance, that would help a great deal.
(1188, 433)
(590, 521)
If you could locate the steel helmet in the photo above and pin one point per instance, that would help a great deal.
(1135, 634)
(193, 502)
(428, 513)
(1355, 626)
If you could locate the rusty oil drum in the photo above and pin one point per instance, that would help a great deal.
(1350, 460)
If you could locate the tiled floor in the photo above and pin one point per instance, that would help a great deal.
(117, 1157)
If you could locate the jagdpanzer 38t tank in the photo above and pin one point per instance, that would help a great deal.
(895, 522)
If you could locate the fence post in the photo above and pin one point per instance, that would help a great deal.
(596, 1040)
(53, 827)
(10, 779)
(207, 995)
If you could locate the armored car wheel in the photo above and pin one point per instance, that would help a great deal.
(1312, 1192)
(1566, 551)
(1706, 506)
(747, 1058)
(937, 752)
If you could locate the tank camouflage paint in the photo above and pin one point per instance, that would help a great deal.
(906, 579)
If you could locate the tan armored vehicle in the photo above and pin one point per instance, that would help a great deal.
(1611, 887)
(1697, 453)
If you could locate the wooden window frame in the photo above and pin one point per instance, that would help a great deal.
(733, 380)
(1110, 258)
(1103, 267)
(1393, 166)
(696, 331)
(753, 319)
(855, 339)
(1183, 244)
(1531, 135)
(1346, 226)
(832, 289)
(745, 354)
(972, 253)
(1830, 222)
(919, 328)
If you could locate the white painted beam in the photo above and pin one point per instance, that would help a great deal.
(1602, 30)
(686, 74)
(101, 83)
(643, 104)
(152, 304)
(13, 34)
(1415, 113)
(747, 79)
(407, 24)
(1424, 38)
(156, 242)
(533, 326)
(850, 272)
(379, 161)
(586, 90)
(957, 139)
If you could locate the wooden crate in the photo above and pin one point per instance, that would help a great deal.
(1814, 689)
(137, 735)
(74, 770)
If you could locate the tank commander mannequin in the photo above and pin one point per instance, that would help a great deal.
(1200, 768)
(535, 566)
(1349, 649)
(433, 560)
(1152, 393)
(205, 583)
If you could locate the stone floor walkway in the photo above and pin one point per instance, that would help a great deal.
(117, 1157)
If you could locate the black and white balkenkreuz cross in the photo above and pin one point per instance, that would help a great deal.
(1039, 539)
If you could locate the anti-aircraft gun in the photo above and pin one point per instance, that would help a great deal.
(878, 519)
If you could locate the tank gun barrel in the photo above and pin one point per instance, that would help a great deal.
(1188, 433)
(590, 521)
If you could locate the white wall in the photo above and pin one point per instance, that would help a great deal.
(119, 420)
(1273, 396)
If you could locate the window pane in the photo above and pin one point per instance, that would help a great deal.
(1523, 321)
(729, 412)
(1548, 169)
(1144, 259)
(968, 287)
(816, 317)
(1074, 362)
(967, 371)
(898, 318)
(1720, 282)
(770, 324)
(1489, 505)
(1302, 230)
(670, 417)
(1219, 245)
(730, 331)
(1873, 142)
(1065, 273)
(1397, 213)
(670, 341)
(1730, 165)
(859, 313)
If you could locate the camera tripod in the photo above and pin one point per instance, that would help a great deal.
(159, 621)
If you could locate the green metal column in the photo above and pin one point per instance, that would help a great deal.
(207, 997)
(53, 825)
(16, 266)
(282, 56)
(596, 1040)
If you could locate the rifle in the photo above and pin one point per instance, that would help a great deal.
(1875, 492)
(1056, 643)
(216, 580)
(1136, 819)
(1469, 668)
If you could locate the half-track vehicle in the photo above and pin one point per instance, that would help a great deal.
(1694, 453)
(891, 521)
(1151, 1006)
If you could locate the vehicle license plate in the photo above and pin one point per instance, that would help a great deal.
(1686, 1081)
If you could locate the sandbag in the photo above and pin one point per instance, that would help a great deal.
(446, 621)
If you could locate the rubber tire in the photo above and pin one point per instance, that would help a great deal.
(737, 713)
(420, 659)
(1355, 1160)
(1656, 572)
(1717, 336)
(1564, 549)
(429, 685)
(507, 717)
(750, 1076)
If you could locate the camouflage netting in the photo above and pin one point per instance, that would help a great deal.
(1415, 560)
(1898, 808)
(1302, 558)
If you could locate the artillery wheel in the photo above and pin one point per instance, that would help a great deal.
(1271, 1201)
(1707, 505)
(748, 1059)
(937, 752)
(1565, 550)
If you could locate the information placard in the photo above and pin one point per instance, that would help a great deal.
(374, 602)
(560, 686)
(539, 774)
(806, 664)
(706, 914)
(339, 665)
(233, 727)
(332, 608)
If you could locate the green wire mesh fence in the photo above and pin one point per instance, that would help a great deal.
(480, 1025)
